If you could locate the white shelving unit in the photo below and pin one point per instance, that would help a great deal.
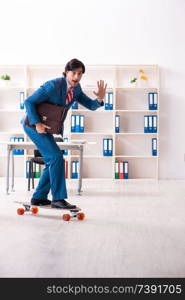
(131, 103)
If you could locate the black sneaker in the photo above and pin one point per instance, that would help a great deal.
(40, 202)
(62, 204)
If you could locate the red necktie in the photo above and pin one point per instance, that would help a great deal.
(69, 95)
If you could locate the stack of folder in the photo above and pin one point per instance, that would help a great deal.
(77, 123)
(150, 124)
(17, 139)
(121, 169)
(107, 147)
(109, 101)
(153, 100)
(74, 169)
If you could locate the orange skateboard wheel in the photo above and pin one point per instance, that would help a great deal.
(20, 211)
(81, 216)
(66, 217)
(34, 210)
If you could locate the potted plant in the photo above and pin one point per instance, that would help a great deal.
(133, 81)
(5, 80)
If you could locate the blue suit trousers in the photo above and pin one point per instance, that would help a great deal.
(53, 175)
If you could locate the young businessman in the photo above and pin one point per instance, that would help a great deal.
(62, 91)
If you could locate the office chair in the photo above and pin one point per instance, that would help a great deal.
(37, 159)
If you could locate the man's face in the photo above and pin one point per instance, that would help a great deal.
(74, 76)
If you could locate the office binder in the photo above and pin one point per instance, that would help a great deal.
(150, 101)
(110, 100)
(81, 123)
(154, 146)
(28, 169)
(74, 105)
(36, 170)
(154, 124)
(105, 147)
(121, 170)
(77, 125)
(106, 101)
(22, 98)
(155, 101)
(21, 151)
(65, 141)
(116, 169)
(110, 146)
(73, 169)
(117, 123)
(77, 168)
(66, 169)
(125, 170)
(146, 124)
(73, 123)
(150, 124)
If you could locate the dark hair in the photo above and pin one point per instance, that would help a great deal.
(74, 64)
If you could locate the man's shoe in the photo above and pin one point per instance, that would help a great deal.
(40, 202)
(62, 204)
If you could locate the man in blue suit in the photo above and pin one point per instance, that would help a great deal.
(62, 91)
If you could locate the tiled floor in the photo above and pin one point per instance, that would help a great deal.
(132, 229)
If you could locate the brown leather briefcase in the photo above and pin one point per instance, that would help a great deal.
(52, 115)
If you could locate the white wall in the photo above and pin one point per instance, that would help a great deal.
(108, 32)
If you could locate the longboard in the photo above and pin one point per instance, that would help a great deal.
(34, 209)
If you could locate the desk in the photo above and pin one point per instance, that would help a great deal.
(29, 145)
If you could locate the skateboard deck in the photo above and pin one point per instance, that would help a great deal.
(34, 209)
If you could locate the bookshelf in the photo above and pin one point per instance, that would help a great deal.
(130, 103)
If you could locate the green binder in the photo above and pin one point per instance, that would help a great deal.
(116, 169)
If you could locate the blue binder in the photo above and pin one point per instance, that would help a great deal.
(109, 101)
(21, 151)
(73, 123)
(22, 98)
(110, 146)
(117, 123)
(154, 124)
(150, 124)
(106, 101)
(65, 141)
(81, 123)
(77, 168)
(74, 105)
(150, 101)
(77, 125)
(154, 146)
(125, 170)
(146, 124)
(105, 147)
(155, 101)
(73, 169)
(27, 169)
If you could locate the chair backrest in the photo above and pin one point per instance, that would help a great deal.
(37, 153)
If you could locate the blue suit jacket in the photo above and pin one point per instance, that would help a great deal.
(55, 91)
